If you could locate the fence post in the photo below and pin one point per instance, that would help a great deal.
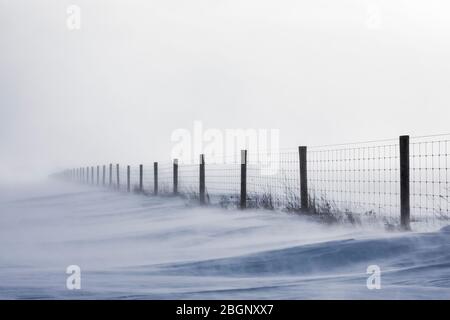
(104, 175)
(128, 179)
(404, 183)
(155, 178)
(141, 178)
(202, 179)
(175, 176)
(87, 175)
(98, 175)
(110, 174)
(118, 176)
(302, 150)
(243, 202)
(92, 176)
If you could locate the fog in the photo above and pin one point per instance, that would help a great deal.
(113, 91)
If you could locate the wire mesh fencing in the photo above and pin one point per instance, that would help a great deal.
(188, 180)
(358, 179)
(430, 178)
(354, 180)
(273, 180)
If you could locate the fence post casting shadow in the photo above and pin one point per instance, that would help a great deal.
(243, 198)
(202, 179)
(303, 178)
(404, 183)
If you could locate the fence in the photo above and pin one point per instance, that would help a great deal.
(400, 180)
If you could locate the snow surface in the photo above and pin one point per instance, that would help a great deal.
(137, 247)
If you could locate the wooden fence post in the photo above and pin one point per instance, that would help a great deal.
(155, 178)
(128, 179)
(404, 183)
(104, 176)
(110, 174)
(243, 202)
(118, 176)
(87, 175)
(98, 175)
(141, 178)
(202, 179)
(175, 176)
(92, 176)
(302, 150)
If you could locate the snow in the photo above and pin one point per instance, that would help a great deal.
(132, 246)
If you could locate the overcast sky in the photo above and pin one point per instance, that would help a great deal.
(322, 71)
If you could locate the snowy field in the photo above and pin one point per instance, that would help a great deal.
(137, 247)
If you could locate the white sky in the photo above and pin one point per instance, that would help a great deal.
(321, 71)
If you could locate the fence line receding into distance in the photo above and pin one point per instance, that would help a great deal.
(401, 180)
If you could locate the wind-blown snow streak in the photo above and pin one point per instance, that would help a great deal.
(136, 247)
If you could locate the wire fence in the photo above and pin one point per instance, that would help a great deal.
(357, 179)
(430, 178)
(354, 180)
